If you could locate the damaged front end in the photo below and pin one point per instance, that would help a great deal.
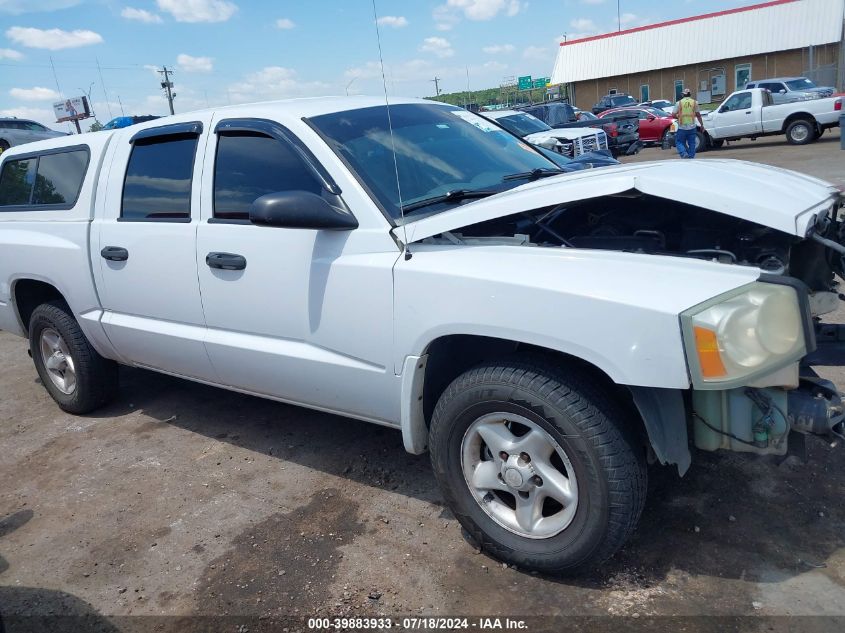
(751, 353)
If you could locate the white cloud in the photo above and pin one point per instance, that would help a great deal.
(446, 16)
(485, 9)
(285, 24)
(16, 7)
(395, 21)
(439, 46)
(497, 49)
(8, 53)
(36, 93)
(140, 15)
(198, 10)
(583, 24)
(274, 82)
(190, 64)
(52, 39)
(537, 53)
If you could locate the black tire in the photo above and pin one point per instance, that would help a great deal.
(800, 132)
(591, 427)
(700, 142)
(96, 377)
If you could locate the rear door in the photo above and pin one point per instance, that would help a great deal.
(145, 232)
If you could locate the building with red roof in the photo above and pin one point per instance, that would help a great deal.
(712, 54)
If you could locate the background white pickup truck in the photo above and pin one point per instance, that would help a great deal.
(752, 113)
(543, 334)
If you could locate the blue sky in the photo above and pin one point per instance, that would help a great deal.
(235, 51)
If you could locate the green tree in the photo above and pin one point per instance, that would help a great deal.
(96, 126)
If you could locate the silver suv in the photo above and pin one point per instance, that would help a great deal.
(786, 89)
(19, 131)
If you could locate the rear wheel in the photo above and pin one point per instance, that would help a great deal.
(537, 465)
(800, 132)
(74, 374)
(700, 142)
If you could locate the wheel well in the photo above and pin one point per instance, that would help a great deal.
(796, 116)
(450, 356)
(28, 294)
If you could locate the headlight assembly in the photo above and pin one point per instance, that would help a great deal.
(744, 334)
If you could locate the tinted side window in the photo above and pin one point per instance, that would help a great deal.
(249, 166)
(59, 177)
(158, 179)
(16, 181)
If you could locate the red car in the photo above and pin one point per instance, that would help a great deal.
(654, 123)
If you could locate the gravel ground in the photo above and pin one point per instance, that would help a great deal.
(182, 500)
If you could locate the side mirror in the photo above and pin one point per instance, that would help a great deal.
(651, 117)
(299, 210)
(724, 108)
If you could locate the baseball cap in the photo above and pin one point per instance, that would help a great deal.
(687, 91)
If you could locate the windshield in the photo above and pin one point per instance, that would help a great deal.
(800, 84)
(522, 124)
(655, 112)
(439, 149)
(622, 101)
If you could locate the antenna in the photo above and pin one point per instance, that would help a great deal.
(390, 129)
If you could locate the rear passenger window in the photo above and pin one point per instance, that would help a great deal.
(16, 181)
(59, 178)
(45, 180)
(158, 178)
(251, 165)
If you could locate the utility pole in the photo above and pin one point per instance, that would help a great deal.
(619, 14)
(167, 86)
(436, 81)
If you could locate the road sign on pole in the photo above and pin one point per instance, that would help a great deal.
(542, 82)
(525, 82)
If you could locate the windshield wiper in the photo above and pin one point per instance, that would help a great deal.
(449, 196)
(534, 174)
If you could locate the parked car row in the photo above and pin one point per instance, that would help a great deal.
(622, 131)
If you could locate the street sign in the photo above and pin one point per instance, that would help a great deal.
(541, 83)
(525, 83)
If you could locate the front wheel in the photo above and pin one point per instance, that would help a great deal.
(800, 132)
(540, 467)
(74, 374)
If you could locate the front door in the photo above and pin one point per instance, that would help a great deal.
(145, 249)
(302, 315)
(736, 117)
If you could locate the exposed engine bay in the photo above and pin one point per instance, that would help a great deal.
(747, 419)
(640, 223)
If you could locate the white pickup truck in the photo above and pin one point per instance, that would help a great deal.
(752, 113)
(543, 335)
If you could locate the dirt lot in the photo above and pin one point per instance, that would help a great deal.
(183, 500)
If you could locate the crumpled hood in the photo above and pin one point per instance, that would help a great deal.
(778, 198)
(565, 133)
